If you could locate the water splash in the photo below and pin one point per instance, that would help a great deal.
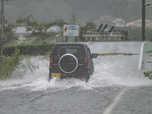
(32, 74)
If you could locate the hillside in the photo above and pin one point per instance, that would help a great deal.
(84, 10)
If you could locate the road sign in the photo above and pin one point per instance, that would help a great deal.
(71, 30)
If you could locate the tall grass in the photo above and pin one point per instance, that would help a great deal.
(9, 63)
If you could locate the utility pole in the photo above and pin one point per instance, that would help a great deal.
(2, 35)
(143, 20)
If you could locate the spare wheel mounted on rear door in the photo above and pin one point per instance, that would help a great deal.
(68, 63)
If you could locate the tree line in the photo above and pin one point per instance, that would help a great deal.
(39, 30)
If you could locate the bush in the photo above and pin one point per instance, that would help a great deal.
(29, 49)
(148, 74)
(9, 63)
(47, 54)
(11, 56)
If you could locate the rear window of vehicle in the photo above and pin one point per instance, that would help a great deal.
(76, 50)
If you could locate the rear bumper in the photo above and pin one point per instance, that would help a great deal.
(76, 74)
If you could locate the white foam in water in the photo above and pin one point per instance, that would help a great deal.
(33, 74)
(107, 74)
(28, 71)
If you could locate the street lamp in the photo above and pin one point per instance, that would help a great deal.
(143, 18)
(148, 4)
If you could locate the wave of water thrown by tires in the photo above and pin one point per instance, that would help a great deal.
(116, 70)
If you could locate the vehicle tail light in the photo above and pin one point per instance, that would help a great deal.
(51, 61)
(85, 61)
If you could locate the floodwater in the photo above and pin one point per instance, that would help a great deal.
(29, 91)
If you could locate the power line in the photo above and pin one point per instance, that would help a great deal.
(117, 8)
(126, 4)
(105, 1)
(114, 9)
(110, 7)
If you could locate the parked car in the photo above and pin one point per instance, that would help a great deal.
(71, 60)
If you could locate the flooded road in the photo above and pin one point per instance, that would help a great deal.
(32, 93)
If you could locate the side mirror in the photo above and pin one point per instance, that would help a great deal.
(94, 55)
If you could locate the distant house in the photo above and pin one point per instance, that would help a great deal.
(55, 29)
(119, 22)
(21, 32)
(138, 23)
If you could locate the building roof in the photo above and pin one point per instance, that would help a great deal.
(54, 29)
(138, 23)
(21, 30)
(139, 20)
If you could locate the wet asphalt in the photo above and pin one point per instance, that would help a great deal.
(138, 100)
(112, 74)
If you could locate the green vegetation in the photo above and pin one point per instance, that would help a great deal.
(89, 27)
(47, 54)
(38, 16)
(9, 64)
(8, 32)
(39, 30)
(148, 74)
(36, 29)
(30, 49)
(148, 51)
(13, 55)
(134, 34)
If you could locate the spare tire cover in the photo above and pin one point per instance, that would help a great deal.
(68, 63)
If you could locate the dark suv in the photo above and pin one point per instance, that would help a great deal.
(71, 60)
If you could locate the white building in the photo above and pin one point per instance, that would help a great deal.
(138, 23)
(55, 29)
(119, 22)
(21, 32)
